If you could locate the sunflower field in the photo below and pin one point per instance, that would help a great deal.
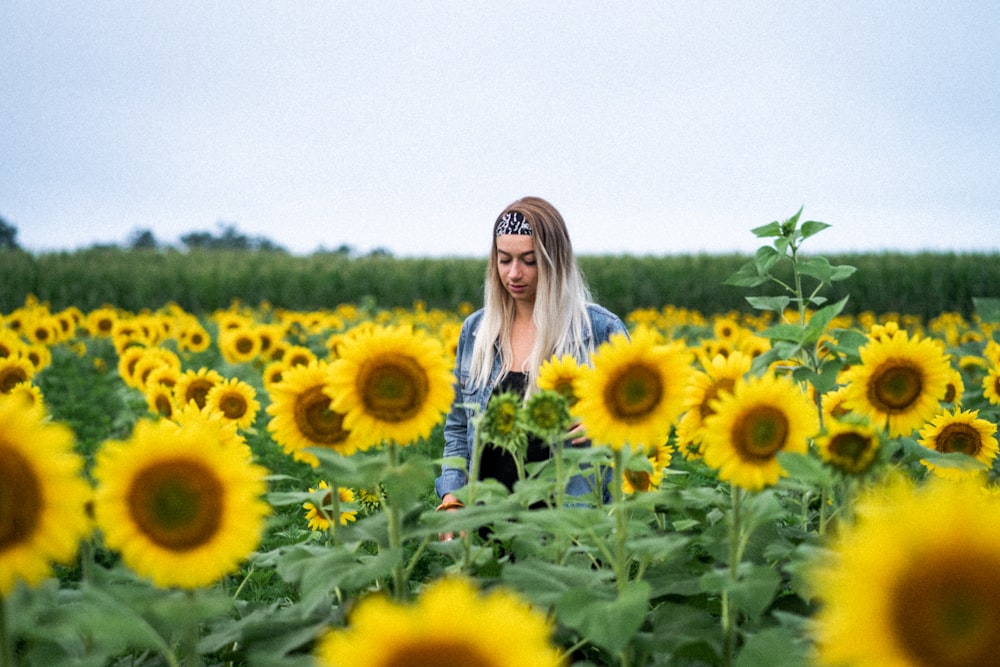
(793, 484)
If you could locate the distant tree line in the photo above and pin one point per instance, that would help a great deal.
(227, 237)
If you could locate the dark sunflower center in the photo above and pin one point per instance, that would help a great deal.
(316, 421)
(712, 393)
(639, 480)
(760, 433)
(895, 387)
(393, 388)
(850, 446)
(441, 654)
(197, 391)
(233, 406)
(946, 613)
(634, 393)
(959, 438)
(244, 345)
(163, 405)
(10, 377)
(546, 415)
(20, 498)
(177, 504)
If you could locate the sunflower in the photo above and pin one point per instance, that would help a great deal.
(899, 383)
(391, 384)
(160, 400)
(451, 623)
(319, 517)
(849, 446)
(634, 391)
(213, 426)
(720, 376)
(913, 580)
(546, 414)
(235, 400)
(193, 337)
(42, 494)
(14, 371)
(128, 359)
(240, 344)
(560, 374)
(642, 480)
(179, 511)
(302, 417)
(298, 355)
(991, 385)
(502, 423)
(100, 323)
(762, 417)
(960, 431)
(11, 344)
(194, 386)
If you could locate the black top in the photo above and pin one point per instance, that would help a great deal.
(497, 463)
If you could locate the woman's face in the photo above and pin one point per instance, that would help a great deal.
(517, 266)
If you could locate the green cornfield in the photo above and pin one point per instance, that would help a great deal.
(921, 284)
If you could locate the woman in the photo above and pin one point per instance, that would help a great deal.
(536, 305)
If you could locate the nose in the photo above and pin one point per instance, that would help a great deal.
(515, 269)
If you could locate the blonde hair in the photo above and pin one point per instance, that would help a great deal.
(562, 295)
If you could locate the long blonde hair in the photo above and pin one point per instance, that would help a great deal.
(562, 295)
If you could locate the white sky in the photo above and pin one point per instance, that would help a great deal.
(655, 127)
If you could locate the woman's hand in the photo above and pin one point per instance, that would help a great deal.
(577, 435)
(449, 503)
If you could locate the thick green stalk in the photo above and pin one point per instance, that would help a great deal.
(6, 657)
(621, 522)
(400, 591)
(736, 543)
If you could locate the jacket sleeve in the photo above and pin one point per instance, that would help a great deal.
(456, 426)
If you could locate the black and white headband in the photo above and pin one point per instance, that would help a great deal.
(513, 222)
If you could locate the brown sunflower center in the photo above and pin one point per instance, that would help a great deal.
(163, 405)
(850, 446)
(393, 388)
(197, 391)
(959, 437)
(945, 610)
(441, 653)
(10, 376)
(712, 393)
(20, 498)
(177, 503)
(233, 405)
(639, 479)
(895, 386)
(244, 345)
(315, 420)
(634, 392)
(760, 432)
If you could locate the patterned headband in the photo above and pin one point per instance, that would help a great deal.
(513, 222)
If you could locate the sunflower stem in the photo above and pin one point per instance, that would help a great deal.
(621, 521)
(395, 532)
(6, 658)
(557, 446)
(477, 453)
(190, 657)
(736, 543)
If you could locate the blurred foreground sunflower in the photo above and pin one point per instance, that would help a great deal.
(913, 581)
(42, 494)
(180, 511)
(452, 623)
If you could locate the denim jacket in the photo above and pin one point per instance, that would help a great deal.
(459, 433)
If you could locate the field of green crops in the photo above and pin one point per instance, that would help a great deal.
(919, 284)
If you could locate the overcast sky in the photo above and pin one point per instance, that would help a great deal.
(655, 127)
